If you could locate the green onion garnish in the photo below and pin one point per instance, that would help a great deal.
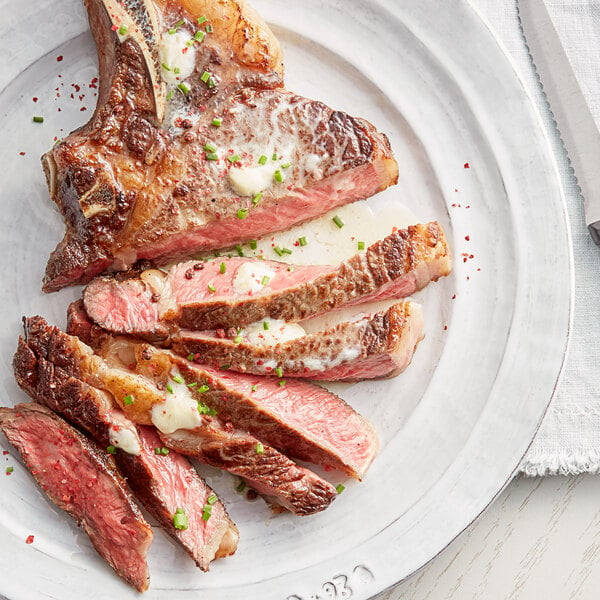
(262, 160)
(266, 325)
(242, 213)
(254, 388)
(265, 280)
(339, 488)
(211, 499)
(233, 158)
(202, 19)
(222, 268)
(38, 119)
(165, 67)
(277, 250)
(176, 70)
(172, 31)
(184, 87)
(208, 29)
(217, 122)
(179, 23)
(193, 384)
(286, 251)
(286, 165)
(302, 241)
(199, 36)
(204, 409)
(212, 156)
(122, 30)
(180, 520)
(240, 250)
(277, 176)
(206, 512)
(205, 76)
(128, 399)
(178, 379)
(279, 372)
(338, 221)
(240, 487)
(361, 245)
(274, 157)
(169, 388)
(170, 94)
(256, 198)
(211, 288)
(260, 449)
(111, 449)
(162, 451)
(238, 339)
(208, 147)
(282, 382)
(212, 82)
(252, 244)
(203, 389)
(9, 470)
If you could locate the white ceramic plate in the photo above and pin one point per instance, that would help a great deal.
(456, 424)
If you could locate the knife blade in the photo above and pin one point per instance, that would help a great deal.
(576, 124)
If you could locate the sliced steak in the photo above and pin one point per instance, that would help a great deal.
(163, 483)
(172, 160)
(197, 295)
(81, 479)
(367, 347)
(151, 396)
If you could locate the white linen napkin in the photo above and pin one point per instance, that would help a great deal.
(568, 441)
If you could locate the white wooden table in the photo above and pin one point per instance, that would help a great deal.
(539, 540)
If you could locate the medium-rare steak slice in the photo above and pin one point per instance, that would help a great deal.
(202, 296)
(162, 482)
(157, 397)
(82, 480)
(193, 145)
(367, 347)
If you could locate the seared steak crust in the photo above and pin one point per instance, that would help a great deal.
(82, 480)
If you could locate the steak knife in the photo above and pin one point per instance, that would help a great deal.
(576, 124)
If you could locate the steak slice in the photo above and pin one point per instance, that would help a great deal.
(154, 304)
(154, 398)
(171, 161)
(82, 480)
(162, 483)
(366, 347)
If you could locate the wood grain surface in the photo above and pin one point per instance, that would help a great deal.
(539, 540)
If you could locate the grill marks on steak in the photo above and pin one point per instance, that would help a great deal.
(367, 347)
(161, 483)
(153, 305)
(134, 183)
(148, 388)
(81, 480)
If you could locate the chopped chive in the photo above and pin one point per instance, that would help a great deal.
(277, 250)
(260, 449)
(211, 499)
(172, 31)
(211, 82)
(202, 19)
(254, 388)
(281, 382)
(217, 122)
(338, 221)
(209, 147)
(189, 43)
(211, 288)
(252, 244)
(178, 379)
(169, 388)
(339, 488)
(286, 251)
(180, 520)
(224, 367)
(179, 23)
(165, 67)
(184, 87)
(302, 241)
(162, 451)
(208, 29)
(361, 245)
(240, 487)
(206, 512)
(199, 36)
(266, 325)
(238, 339)
(170, 94)
(111, 449)
(193, 384)
(233, 158)
(277, 176)
(123, 30)
(203, 389)
(286, 165)
(265, 280)
(205, 76)
(212, 156)
(262, 160)
(128, 399)
(222, 268)
(279, 372)
(256, 198)
(176, 70)
(38, 119)
(274, 157)
(204, 409)
(9, 470)
(242, 213)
